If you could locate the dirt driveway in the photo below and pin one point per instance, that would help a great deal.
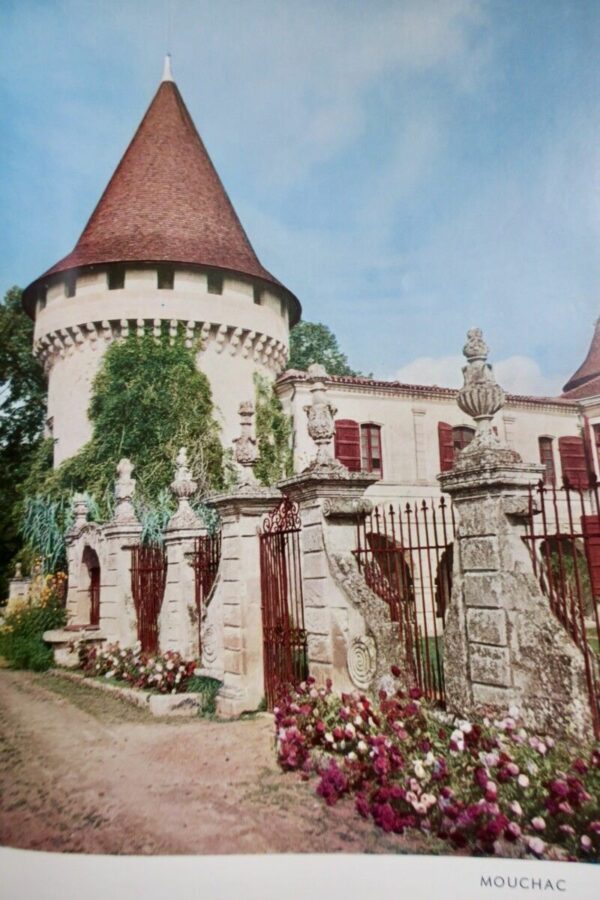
(83, 772)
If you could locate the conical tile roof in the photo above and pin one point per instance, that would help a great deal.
(586, 380)
(165, 203)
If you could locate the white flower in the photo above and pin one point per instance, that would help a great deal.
(170, 665)
(428, 801)
(516, 808)
(523, 781)
(352, 756)
(159, 668)
(358, 720)
(419, 770)
(429, 759)
(362, 747)
(465, 727)
(329, 737)
(491, 759)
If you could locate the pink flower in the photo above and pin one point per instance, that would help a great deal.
(538, 823)
(516, 808)
(523, 781)
(536, 845)
(586, 842)
(512, 832)
(559, 788)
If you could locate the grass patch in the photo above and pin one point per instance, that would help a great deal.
(208, 688)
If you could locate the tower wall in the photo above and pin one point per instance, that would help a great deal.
(243, 329)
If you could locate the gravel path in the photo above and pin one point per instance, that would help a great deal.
(81, 771)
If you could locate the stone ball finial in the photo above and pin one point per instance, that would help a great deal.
(183, 487)
(475, 347)
(124, 493)
(481, 398)
(245, 447)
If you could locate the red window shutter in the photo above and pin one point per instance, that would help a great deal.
(446, 442)
(573, 462)
(347, 443)
(590, 526)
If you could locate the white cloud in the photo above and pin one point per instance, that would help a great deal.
(517, 374)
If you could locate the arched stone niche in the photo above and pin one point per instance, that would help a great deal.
(90, 573)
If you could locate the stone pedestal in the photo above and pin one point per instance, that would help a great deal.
(179, 626)
(341, 616)
(238, 592)
(502, 645)
(118, 619)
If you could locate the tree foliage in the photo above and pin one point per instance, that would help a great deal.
(273, 434)
(311, 342)
(22, 412)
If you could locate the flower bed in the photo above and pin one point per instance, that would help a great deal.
(488, 787)
(165, 673)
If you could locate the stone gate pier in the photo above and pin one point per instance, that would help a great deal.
(503, 646)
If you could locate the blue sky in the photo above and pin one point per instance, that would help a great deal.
(408, 169)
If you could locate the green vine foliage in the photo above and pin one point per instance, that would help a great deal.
(148, 400)
(273, 434)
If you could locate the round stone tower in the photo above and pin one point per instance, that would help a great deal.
(163, 250)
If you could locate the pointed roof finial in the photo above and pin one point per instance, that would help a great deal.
(167, 73)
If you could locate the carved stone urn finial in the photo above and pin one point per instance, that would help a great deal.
(481, 398)
(80, 511)
(321, 424)
(124, 493)
(246, 451)
(183, 486)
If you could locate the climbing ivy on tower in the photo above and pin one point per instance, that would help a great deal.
(273, 434)
(148, 399)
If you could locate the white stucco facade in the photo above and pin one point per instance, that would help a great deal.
(408, 416)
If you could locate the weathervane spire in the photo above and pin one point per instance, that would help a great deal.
(167, 73)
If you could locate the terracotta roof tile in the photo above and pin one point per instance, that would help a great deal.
(166, 203)
(429, 390)
(588, 371)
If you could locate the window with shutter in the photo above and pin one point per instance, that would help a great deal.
(547, 459)
(446, 443)
(573, 462)
(461, 438)
(370, 449)
(347, 443)
(591, 529)
(589, 450)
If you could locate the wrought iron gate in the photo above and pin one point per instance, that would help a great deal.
(148, 579)
(206, 559)
(563, 534)
(284, 634)
(405, 556)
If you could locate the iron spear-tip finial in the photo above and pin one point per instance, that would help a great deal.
(167, 71)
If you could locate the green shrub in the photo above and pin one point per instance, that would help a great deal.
(21, 642)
